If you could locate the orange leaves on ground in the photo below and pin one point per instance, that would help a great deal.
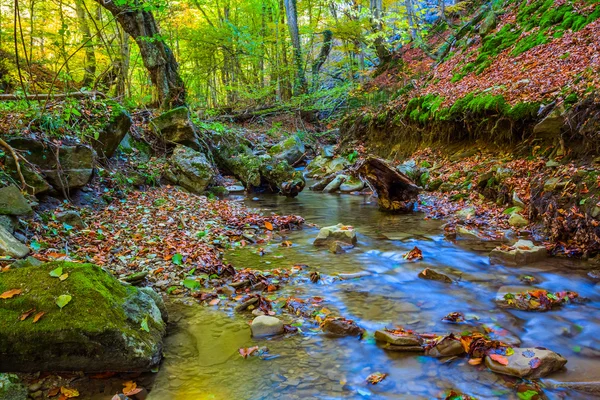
(38, 316)
(5, 269)
(475, 361)
(10, 294)
(414, 254)
(26, 314)
(245, 352)
(499, 359)
(268, 225)
(53, 392)
(214, 302)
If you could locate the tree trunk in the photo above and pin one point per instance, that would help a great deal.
(323, 55)
(90, 57)
(156, 54)
(383, 53)
(292, 17)
(396, 193)
(411, 18)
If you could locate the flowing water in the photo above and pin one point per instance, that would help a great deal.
(201, 353)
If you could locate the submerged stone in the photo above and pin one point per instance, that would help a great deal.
(105, 327)
(397, 340)
(522, 252)
(341, 327)
(339, 232)
(528, 362)
(433, 275)
(265, 325)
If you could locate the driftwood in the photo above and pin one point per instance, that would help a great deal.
(396, 192)
(54, 96)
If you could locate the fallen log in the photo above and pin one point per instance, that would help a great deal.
(53, 96)
(396, 192)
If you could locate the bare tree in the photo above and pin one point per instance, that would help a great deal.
(292, 19)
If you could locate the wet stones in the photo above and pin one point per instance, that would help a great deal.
(338, 247)
(335, 183)
(433, 275)
(528, 362)
(352, 184)
(190, 169)
(405, 340)
(341, 327)
(265, 325)
(522, 252)
(516, 220)
(339, 232)
(9, 246)
(448, 346)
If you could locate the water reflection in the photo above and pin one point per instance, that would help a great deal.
(202, 360)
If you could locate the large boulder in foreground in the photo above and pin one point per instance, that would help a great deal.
(190, 169)
(530, 363)
(106, 326)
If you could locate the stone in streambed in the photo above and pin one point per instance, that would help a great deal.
(339, 232)
(70, 217)
(528, 362)
(352, 184)
(105, 327)
(522, 252)
(265, 325)
(335, 184)
(341, 327)
(516, 220)
(447, 347)
(190, 169)
(338, 247)
(397, 340)
(433, 275)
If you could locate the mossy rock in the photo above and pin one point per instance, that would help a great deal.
(291, 150)
(102, 328)
(11, 388)
(175, 127)
(112, 133)
(190, 169)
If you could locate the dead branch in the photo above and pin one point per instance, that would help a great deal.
(55, 96)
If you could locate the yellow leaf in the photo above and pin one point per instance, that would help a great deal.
(69, 393)
(63, 276)
(37, 316)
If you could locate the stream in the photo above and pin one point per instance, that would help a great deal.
(201, 352)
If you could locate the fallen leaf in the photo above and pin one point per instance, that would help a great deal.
(26, 314)
(245, 352)
(10, 294)
(214, 302)
(55, 273)
(144, 324)
(63, 300)
(535, 362)
(53, 392)
(376, 377)
(268, 225)
(499, 359)
(63, 276)
(475, 361)
(130, 388)
(69, 393)
(37, 316)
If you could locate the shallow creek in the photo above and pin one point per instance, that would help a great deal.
(201, 353)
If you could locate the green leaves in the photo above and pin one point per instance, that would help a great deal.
(55, 273)
(63, 300)
(191, 284)
(144, 325)
(177, 259)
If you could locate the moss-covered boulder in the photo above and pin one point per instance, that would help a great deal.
(291, 150)
(12, 202)
(11, 388)
(112, 133)
(106, 326)
(176, 127)
(190, 169)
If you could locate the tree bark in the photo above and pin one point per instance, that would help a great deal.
(383, 53)
(396, 193)
(323, 55)
(156, 54)
(90, 57)
(292, 17)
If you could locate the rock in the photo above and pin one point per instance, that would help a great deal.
(11, 388)
(328, 151)
(26, 263)
(9, 222)
(75, 161)
(465, 213)
(70, 217)
(265, 325)
(102, 328)
(352, 184)
(465, 233)
(235, 188)
(158, 300)
(528, 362)
(341, 327)
(552, 164)
(430, 274)
(554, 183)
(397, 340)
(227, 290)
(12, 202)
(339, 232)
(336, 165)
(175, 126)
(447, 347)
(516, 220)
(551, 126)
(112, 133)
(517, 202)
(291, 150)
(316, 168)
(190, 169)
(335, 183)
(488, 24)
(338, 247)
(9, 246)
(36, 184)
(522, 252)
